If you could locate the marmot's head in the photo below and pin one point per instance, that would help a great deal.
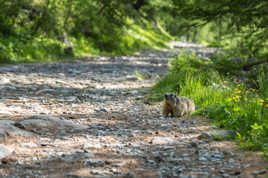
(171, 98)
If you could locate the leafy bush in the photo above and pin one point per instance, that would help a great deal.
(246, 112)
(29, 29)
(186, 76)
(21, 50)
(27, 48)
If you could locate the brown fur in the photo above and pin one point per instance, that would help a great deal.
(177, 105)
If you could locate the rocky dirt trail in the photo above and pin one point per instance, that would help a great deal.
(87, 118)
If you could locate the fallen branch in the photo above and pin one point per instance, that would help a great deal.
(249, 66)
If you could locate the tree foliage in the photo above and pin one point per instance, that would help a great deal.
(232, 24)
(104, 24)
(237, 24)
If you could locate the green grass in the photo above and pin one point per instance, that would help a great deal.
(246, 112)
(192, 77)
(20, 50)
(222, 138)
(128, 40)
(224, 102)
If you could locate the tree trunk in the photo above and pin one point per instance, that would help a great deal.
(138, 4)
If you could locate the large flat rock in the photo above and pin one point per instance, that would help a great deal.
(7, 128)
(217, 133)
(44, 123)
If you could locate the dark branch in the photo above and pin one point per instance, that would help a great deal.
(247, 67)
(139, 4)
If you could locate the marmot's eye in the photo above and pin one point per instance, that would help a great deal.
(168, 95)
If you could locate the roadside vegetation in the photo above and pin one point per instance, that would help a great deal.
(228, 96)
(231, 87)
(21, 49)
(51, 30)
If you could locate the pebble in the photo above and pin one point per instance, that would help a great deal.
(229, 153)
(263, 171)
(226, 175)
(76, 156)
(129, 175)
(94, 163)
(94, 172)
(3, 136)
(5, 151)
(72, 176)
(131, 78)
(217, 133)
(193, 144)
(163, 140)
(29, 145)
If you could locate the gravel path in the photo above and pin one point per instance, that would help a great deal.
(88, 118)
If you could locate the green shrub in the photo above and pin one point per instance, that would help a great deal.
(41, 49)
(116, 41)
(186, 76)
(246, 112)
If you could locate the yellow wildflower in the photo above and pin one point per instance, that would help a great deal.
(247, 92)
(235, 98)
(267, 99)
(266, 105)
(261, 100)
(238, 91)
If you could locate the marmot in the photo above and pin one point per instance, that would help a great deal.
(177, 105)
